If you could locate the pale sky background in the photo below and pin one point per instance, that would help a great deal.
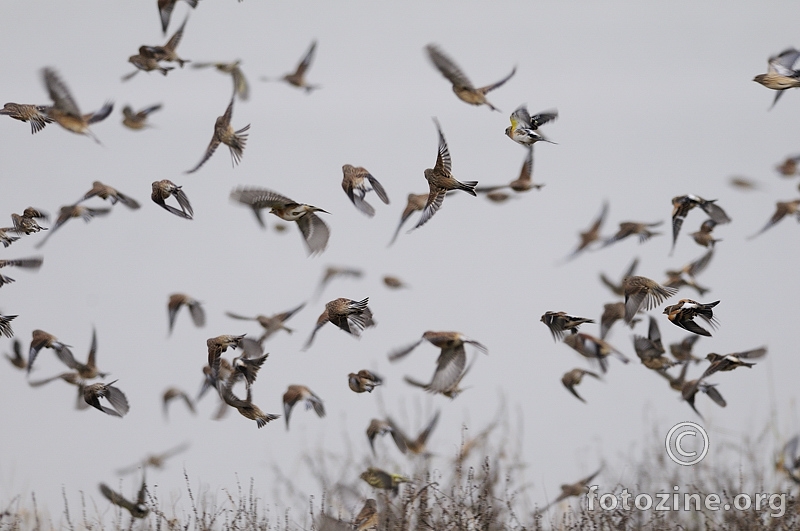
(654, 101)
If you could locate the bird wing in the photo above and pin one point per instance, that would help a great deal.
(315, 232)
(448, 68)
(59, 93)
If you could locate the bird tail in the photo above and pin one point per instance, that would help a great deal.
(468, 186)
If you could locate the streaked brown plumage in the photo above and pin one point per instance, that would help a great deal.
(5, 330)
(88, 370)
(272, 323)
(356, 182)
(451, 392)
(26, 223)
(573, 378)
(462, 86)
(165, 188)
(225, 134)
(174, 304)
(641, 293)
(683, 313)
(41, 339)
(35, 114)
(301, 393)
(560, 322)
(119, 403)
(780, 74)
(104, 191)
(137, 120)
(64, 110)
(685, 275)
(368, 517)
(146, 61)
(415, 202)
(349, 315)
(5, 238)
(218, 345)
(25, 263)
(247, 408)
(168, 52)
(690, 389)
(593, 348)
(613, 312)
(363, 381)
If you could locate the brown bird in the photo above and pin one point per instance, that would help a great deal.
(168, 51)
(41, 339)
(156, 461)
(462, 86)
(176, 301)
(440, 180)
(641, 293)
(247, 365)
(5, 329)
(271, 324)
(146, 61)
(629, 228)
(138, 508)
(301, 393)
(703, 236)
(64, 110)
(25, 263)
(560, 322)
(349, 315)
(683, 351)
(617, 288)
(650, 350)
(788, 168)
(247, 408)
(416, 446)
(171, 394)
(380, 428)
(163, 189)
(368, 517)
(363, 381)
(451, 362)
(613, 312)
(523, 183)
(573, 378)
(35, 114)
(592, 234)
(103, 191)
(5, 238)
(782, 209)
(298, 77)
(137, 120)
(690, 389)
(218, 345)
(683, 313)
(394, 282)
(781, 74)
(578, 488)
(415, 202)
(451, 392)
(94, 392)
(16, 360)
(165, 8)
(69, 212)
(743, 183)
(681, 205)
(225, 134)
(732, 361)
(355, 186)
(26, 223)
(685, 275)
(241, 89)
(315, 231)
(332, 272)
(593, 348)
(88, 370)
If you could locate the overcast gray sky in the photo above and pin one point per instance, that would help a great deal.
(654, 101)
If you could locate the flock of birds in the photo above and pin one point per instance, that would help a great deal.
(636, 294)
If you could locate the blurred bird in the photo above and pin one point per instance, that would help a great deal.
(703, 237)
(247, 408)
(394, 282)
(171, 394)
(594, 349)
(613, 312)
(298, 77)
(789, 166)
(315, 231)
(683, 313)
(26, 223)
(524, 128)
(380, 479)
(363, 381)
(218, 345)
(788, 461)
(94, 392)
(685, 275)
(732, 361)
(241, 88)
(573, 378)
(578, 488)
(368, 517)
(165, 8)
(332, 272)
(215, 379)
(138, 508)
(743, 183)
(174, 304)
(146, 61)
(349, 315)
(462, 86)
(629, 228)
(137, 120)
(692, 387)
(35, 114)
(681, 205)
(560, 322)
(416, 446)
(271, 324)
(156, 461)
(168, 52)
(247, 365)
(41, 339)
(225, 134)
(782, 209)
(381, 427)
(64, 110)
(592, 234)
(16, 346)
(498, 197)
(68, 212)
(523, 183)
(451, 363)
(781, 74)
(618, 288)
(103, 191)
(415, 202)
(641, 293)
(5, 238)
(451, 392)
(650, 350)
(25, 263)
(440, 180)
(301, 393)
(683, 351)
(88, 370)
(5, 329)
(163, 189)
(355, 186)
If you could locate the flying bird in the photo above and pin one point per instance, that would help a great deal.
(523, 183)
(524, 128)
(103, 191)
(641, 293)
(26, 223)
(617, 288)
(349, 315)
(173, 393)
(64, 110)
(593, 348)
(650, 349)
(685, 276)
(363, 381)
(301, 393)
(178, 300)
(613, 312)
(573, 378)
(137, 120)
(703, 237)
(16, 360)
(69, 212)
(119, 403)
(683, 351)
(578, 488)
(165, 188)
(683, 313)
(41, 339)
(681, 205)
(782, 209)
(332, 272)
(451, 392)
(592, 234)
(241, 89)
(560, 322)
(730, 362)
(380, 428)
(165, 8)
(356, 183)
(692, 387)
(298, 77)
(380, 479)
(271, 324)
(630, 228)
(35, 114)
(415, 203)
(781, 74)
(225, 134)
(247, 408)
(137, 509)
(416, 446)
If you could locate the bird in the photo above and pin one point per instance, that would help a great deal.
(64, 110)
(137, 120)
(789, 166)
(165, 8)
(119, 403)
(416, 446)
(523, 183)
(298, 77)
(683, 351)
(156, 461)
(351, 316)
(451, 392)
(730, 362)
(16, 346)
(104, 191)
(560, 322)
(641, 293)
(743, 183)
(41, 339)
(682, 204)
(788, 461)
(246, 365)
(247, 408)
(168, 52)
(5, 238)
(69, 212)
(524, 128)
(629, 228)
(573, 378)
(650, 349)
(171, 394)
(165, 188)
(137, 509)
(683, 313)
(782, 209)
(780, 74)
(368, 517)
(218, 345)
(380, 479)
(703, 237)
(613, 312)
(451, 361)
(578, 488)
(271, 324)
(415, 203)
(379, 427)
(356, 182)
(315, 231)
(174, 304)
(593, 348)
(5, 329)
(88, 370)
(685, 276)
(301, 393)
(692, 387)
(592, 234)
(35, 114)
(146, 61)
(440, 180)
(26, 223)
(26, 263)
(332, 272)
(241, 88)
(363, 381)
(617, 288)
(393, 282)
(462, 86)
(225, 134)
